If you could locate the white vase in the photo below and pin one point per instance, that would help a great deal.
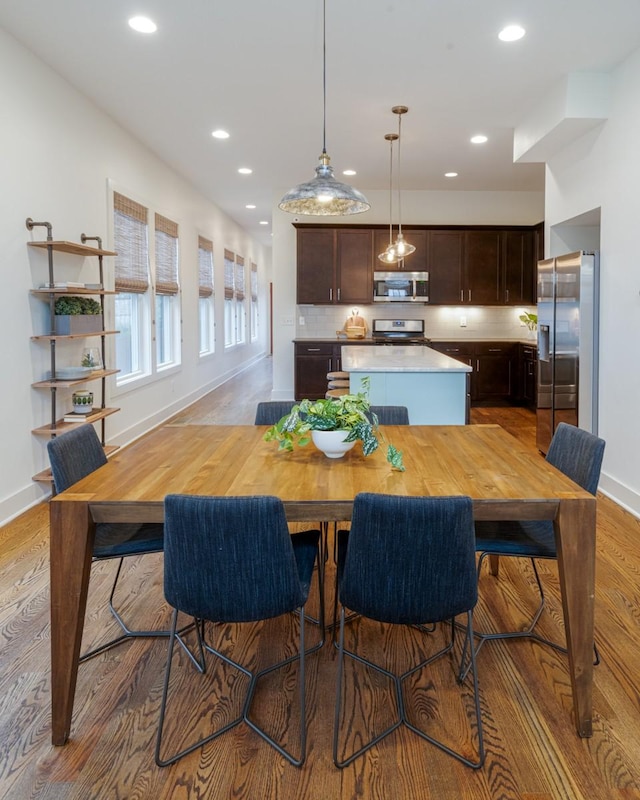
(332, 443)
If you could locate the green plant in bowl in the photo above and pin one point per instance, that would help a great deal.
(350, 412)
(530, 320)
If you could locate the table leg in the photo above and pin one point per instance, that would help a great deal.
(575, 529)
(71, 545)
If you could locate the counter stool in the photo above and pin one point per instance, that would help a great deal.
(338, 384)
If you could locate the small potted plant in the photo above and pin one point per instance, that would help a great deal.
(348, 419)
(77, 315)
(530, 320)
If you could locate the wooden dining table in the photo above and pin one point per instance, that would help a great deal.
(504, 478)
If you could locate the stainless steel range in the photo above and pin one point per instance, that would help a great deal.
(399, 331)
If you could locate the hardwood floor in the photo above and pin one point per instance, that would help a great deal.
(533, 752)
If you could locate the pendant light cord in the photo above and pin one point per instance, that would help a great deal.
(390, 192)
(324, 77)
(399, 191)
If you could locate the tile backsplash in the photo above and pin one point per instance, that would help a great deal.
(440, 322)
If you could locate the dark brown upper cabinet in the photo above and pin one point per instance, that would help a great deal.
(473, 265)
(334, 265)
(446, 267)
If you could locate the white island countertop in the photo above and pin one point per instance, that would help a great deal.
(399, 358)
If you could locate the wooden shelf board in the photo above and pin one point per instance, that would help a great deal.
(62, 427)
(72, 247)
(62, 384)
(46, 477)
(49, 336)
(70, 290)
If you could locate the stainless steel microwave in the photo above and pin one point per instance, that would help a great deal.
(401, 287)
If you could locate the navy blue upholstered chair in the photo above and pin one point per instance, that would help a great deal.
(232, 559)
(576, 453)
(73, 456)
(391, 415)
(271, 411)
(385, 415)
(409, 560)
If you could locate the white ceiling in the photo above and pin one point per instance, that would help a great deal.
(254, 68)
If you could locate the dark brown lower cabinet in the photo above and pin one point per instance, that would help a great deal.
(528, 368)
(494, 371)
(494, 367)
(312, 362)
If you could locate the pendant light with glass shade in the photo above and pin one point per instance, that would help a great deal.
(324, 195)
(389, 255)
(400, 248)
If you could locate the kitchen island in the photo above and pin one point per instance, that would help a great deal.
(433, 386)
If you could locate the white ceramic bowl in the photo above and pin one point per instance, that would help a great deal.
(332, 443)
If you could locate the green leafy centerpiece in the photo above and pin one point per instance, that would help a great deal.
(530, 320)
(349, 414)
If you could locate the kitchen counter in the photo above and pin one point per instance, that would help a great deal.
(433, 387)
(332, 340)
(399, 358)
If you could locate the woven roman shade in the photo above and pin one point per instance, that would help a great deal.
(239, 282)
(229, 264)
(254, 281)
(131, 243)
(166, 256)
(205, 267)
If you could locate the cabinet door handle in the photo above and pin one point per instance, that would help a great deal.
(469, 295)
(477, 365)
(453, 349)
(313, 349)
(507, 294)
(495, 349)
(331, 294)
(462, 295)
(338, 295)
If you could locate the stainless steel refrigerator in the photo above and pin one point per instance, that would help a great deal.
(568, 303)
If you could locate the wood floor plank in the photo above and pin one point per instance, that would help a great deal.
(533, 752)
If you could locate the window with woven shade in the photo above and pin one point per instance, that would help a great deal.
(131, 242)
(132, 300)
(166, 287)
(206, 307)
(166, 256)
(241, 312)
(229, 299)
(254, 301)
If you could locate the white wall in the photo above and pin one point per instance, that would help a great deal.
(58, 153)
(602, 170)
(426, 208)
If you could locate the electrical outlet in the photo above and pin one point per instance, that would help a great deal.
(301, 321)
(463, 322)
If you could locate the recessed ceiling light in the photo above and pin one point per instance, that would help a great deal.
(349, 172)
(450, 174)
(143, 25)
(249, 205)
(264, 222)
(220, 134)
(511, 33)
(479, 139)
(245, 171)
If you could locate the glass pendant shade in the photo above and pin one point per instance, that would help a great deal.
(402, 247)
(389, 256)
(324, 195)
